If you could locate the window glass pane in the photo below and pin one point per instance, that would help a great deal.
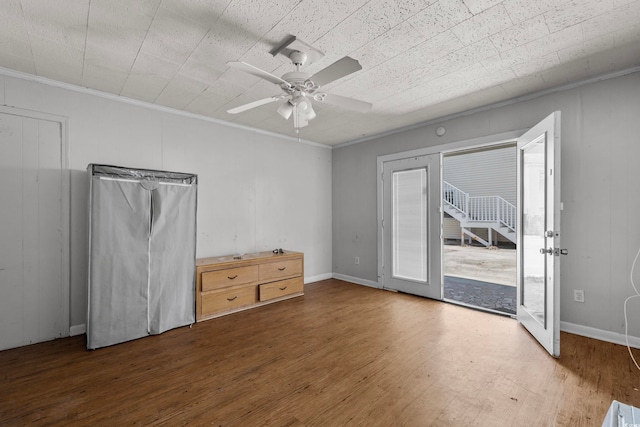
(410, 224)
(533, 229)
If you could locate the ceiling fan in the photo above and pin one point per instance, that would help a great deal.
(299, 88)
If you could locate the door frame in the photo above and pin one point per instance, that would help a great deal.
(512, 144)
(65, 201)
(484, 141)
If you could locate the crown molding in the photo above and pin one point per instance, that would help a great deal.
(118, 98)
(510, 101)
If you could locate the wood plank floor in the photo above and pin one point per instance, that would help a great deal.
(341, 355)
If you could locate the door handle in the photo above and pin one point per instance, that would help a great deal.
(544, 251)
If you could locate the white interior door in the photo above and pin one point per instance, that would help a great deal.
(538, 246)
(411, 226)
(33, 289)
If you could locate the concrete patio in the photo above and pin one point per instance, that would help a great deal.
(481, 277)
(494, 265)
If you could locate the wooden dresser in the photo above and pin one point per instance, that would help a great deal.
(226, 285)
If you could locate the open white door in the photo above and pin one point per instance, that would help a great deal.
(411, 226)
(538, 245)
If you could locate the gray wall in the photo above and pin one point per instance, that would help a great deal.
(256, 192)
(600, 190)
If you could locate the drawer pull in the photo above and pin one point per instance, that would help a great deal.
(231, 299)
(232, 277)
(281, 268)
(282, 289)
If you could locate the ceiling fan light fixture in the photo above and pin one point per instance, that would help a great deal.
(285, 110)
(309, 113)
(304, 111)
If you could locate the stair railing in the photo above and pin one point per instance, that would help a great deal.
(507, 214)
(492, 209)
(481, 209)
(456, 198)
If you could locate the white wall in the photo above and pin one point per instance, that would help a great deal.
(256, 191)
(600, 190)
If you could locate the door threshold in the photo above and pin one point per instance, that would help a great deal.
(475, 307)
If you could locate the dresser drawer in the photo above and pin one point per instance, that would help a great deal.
(279, 269)
(229, 299)
(229, 277)
(282, 288)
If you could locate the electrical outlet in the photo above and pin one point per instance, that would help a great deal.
(578, 295)
(357, 260)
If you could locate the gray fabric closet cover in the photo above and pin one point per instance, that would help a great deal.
(142, 253)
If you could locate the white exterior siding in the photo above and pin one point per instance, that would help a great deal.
(488, 172)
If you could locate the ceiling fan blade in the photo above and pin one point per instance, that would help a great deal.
(340, 68)
(255, 71)
(254, 104)
(344, 102)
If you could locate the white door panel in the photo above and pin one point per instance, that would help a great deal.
(33, 289)
(411, 226)
(538, 294)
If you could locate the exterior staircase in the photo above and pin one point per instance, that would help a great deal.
(490, 212)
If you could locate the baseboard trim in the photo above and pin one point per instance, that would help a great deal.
(317, 278)
(77, 330)
(356, 280)
(599, 334)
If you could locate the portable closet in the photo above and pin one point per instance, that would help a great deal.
(142, 248)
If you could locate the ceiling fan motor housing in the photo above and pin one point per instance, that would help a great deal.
(299, 81)
(298, 58)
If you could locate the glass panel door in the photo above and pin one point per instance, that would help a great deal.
(411, 226)
(538, 294)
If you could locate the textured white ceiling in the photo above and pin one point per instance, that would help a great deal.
(421, 59)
